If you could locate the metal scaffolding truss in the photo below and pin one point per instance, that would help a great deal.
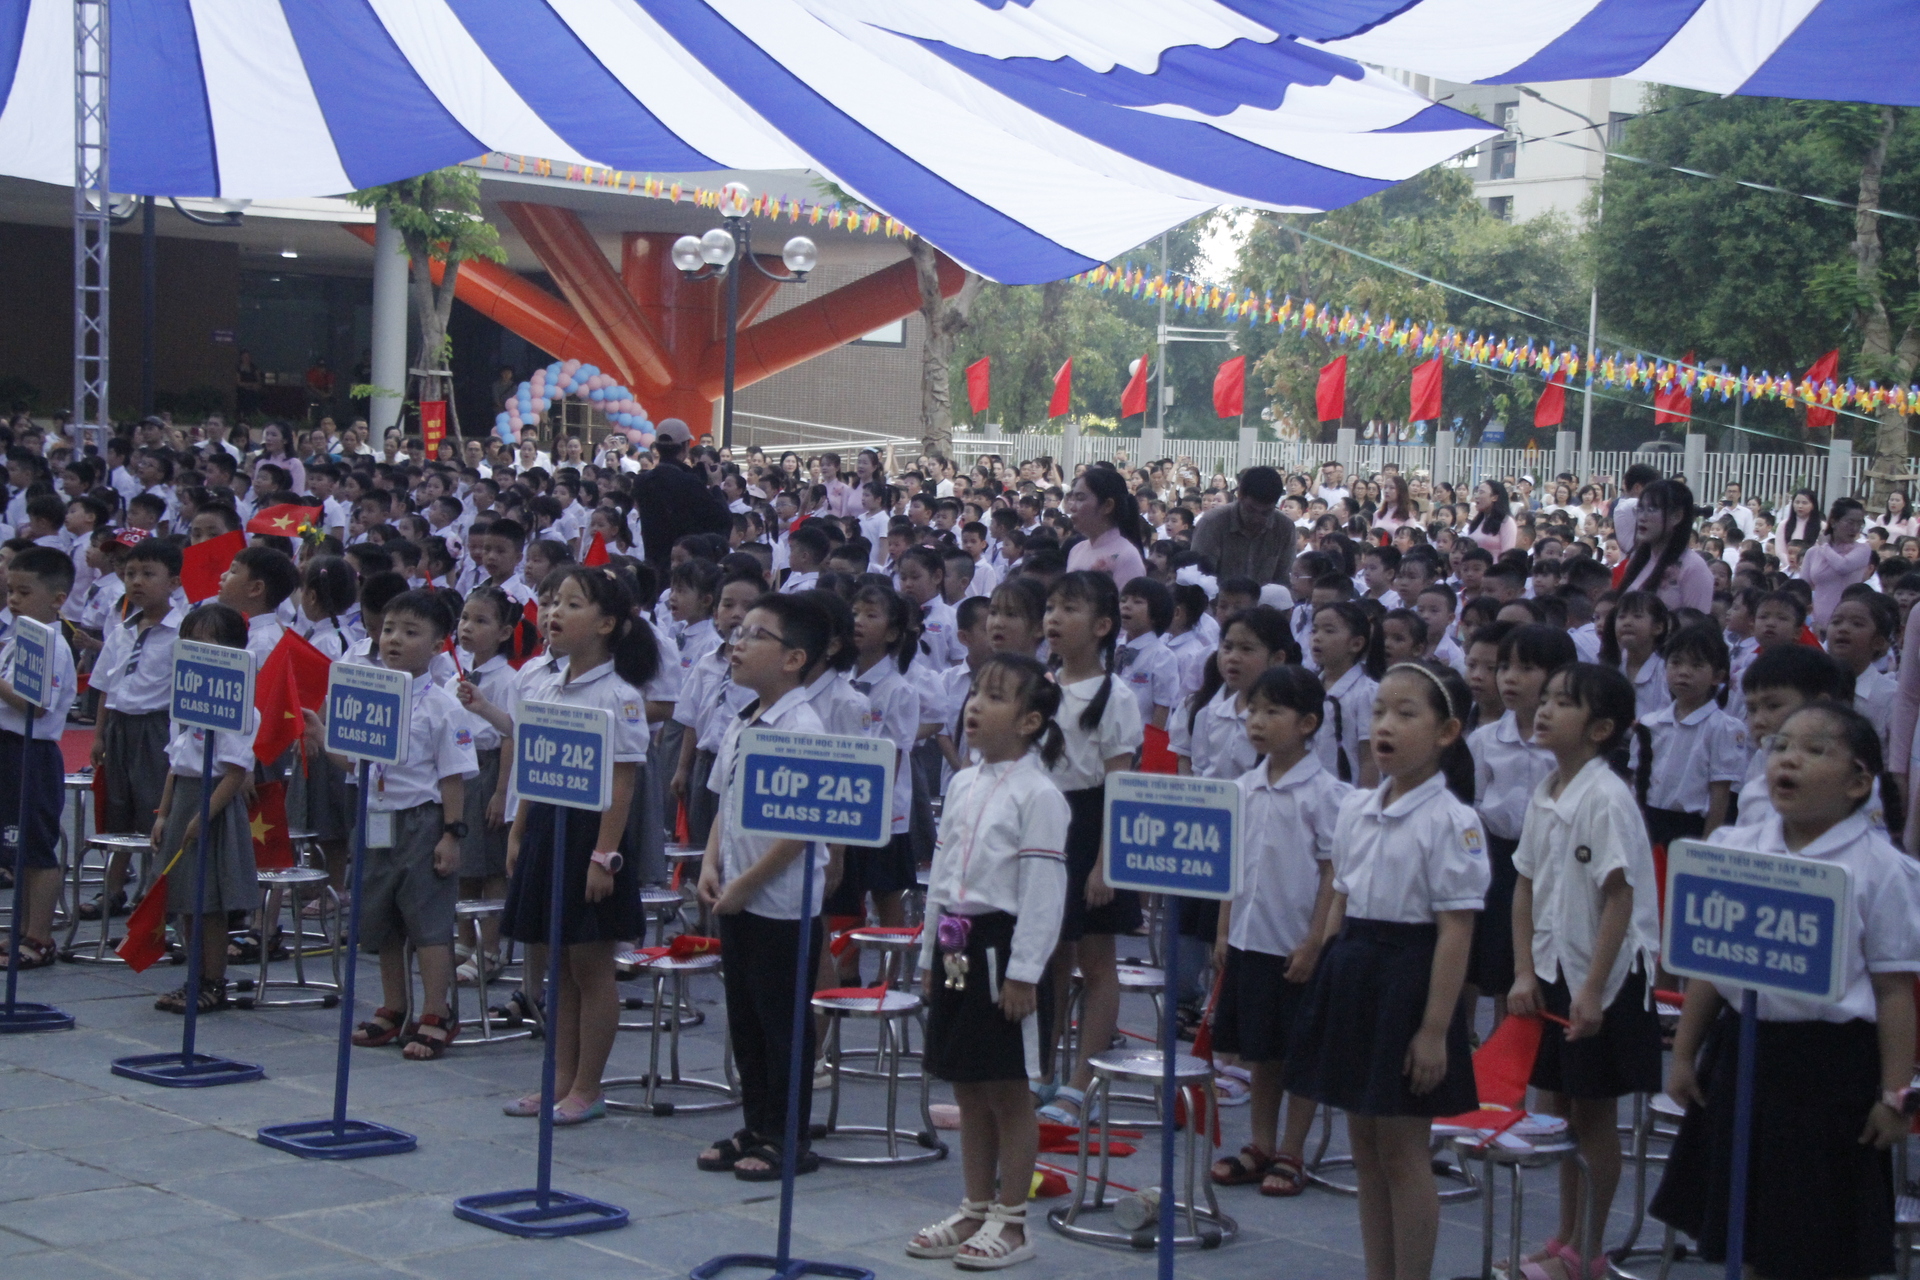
(92, 212)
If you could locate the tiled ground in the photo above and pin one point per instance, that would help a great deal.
(101, 1176)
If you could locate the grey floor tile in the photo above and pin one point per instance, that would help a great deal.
(87, 1219)
(189, 1153)
(28, 1175)
(287, 1190)
(251, 1249)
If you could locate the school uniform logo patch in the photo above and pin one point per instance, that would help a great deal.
(632, 712)
(464, 737)
(1471, 838)
(1583, 854)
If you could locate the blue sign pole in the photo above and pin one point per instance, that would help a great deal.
(549, 1065)
(196, 961)
(24, 1015)
(796, 1063)
(1742, 1135)
(1169, 1047)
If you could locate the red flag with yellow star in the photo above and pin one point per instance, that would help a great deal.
(293, 677)
(272, 846)
(283, 521)
(146, 939)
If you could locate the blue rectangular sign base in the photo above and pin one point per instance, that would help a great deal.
(321, 1140)
(26, 1017)
(792, 1270)
(522, 1213)
(186, 1071)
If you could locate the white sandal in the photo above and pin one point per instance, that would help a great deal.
(991, 1241)
(943, 1240)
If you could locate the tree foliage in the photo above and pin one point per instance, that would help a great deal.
(1433, 225)
(1758, 278)
(438, 217)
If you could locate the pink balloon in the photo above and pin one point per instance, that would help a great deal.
(570, 366)
(637, 436)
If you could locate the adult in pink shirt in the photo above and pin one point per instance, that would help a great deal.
(1662, 562)
(1492, 525)
(1837, 561)
(1396, 505)
(1107, 517)
(843, 499)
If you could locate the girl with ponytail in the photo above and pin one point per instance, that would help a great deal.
(1102, 729)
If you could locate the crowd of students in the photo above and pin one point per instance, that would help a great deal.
(1460, 742)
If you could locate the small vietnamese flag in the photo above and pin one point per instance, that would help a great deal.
(596, 552)
(283, 521)
(202, 566)
(267, 822)
(293, 678)
(146, 939)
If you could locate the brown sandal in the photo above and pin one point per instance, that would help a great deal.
(1286, 1176)
(383, 1028)
(1239, 1172)
(34, 954)
(436, 1046)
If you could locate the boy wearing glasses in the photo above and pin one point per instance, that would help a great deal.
(752, 885)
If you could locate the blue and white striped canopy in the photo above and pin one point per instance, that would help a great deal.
(1027, 139)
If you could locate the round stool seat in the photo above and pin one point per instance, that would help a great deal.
(1666, 1108)
(80, 779)
(889, 1004)
(475, 908)
(684, 964)
(1143, 1066)
(303, 835)
(685, 852)
(1142, 978)
(292, 876)
(129, 841)
(884, 940)
(650, 899)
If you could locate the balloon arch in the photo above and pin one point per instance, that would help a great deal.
(565, 378)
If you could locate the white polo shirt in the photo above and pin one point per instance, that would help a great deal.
(1084, 762)
(61, 689)
(1569, 847)
(499, 684)
(1649, 685)
(135, 669)
(1216, 745)
(1346, 722)
(1152, 671)
(840, 707)
(599, 687)
(1288, 834)
(1705, 746)
(893, 712)
(1506, 769)
(779, 898)
(1412, 859)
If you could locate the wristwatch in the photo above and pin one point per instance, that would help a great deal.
(609, 860)
(458, 830)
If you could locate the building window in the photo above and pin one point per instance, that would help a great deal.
(1501, 207)
(1617, 127)
(891, 334)
(1507, 116)
(1503, 154)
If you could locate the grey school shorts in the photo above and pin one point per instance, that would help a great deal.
(402, 898)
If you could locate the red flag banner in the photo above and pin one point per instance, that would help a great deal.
(1673, 404)
(1230, 388)
(272, 841)
(1424, 404)
(596, 552)
(293, 678)
(1824, 368)
(433, 425)
(1330, 397)
(202, 566)
(146, 939)
(283, 521)
(1550, 410)
(979, 376)
(1062, 402)
(1133, 400)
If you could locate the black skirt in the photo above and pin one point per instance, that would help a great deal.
(1664, 826)
(615, 918)
(1490, 964)
(969, 1040)
(1819, 1204)
(1084, 832)
(1259, 1009)
(1367, 999)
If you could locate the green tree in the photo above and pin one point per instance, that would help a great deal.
(438, 217)
(1434, 225)
(1760, 278)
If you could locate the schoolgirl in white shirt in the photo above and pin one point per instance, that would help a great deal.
(1830, 1078)
(1209, 734)
(994, 902)
(489, 690)
(1101, 725)
(1382, 1033)
(1636, 631)
(1689, 755)
(1269, 936)
(1507, 765)
(708, 698)
(1348, 654)
(1585, 938)
(1186, 639)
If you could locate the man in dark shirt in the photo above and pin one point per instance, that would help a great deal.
(674, 501)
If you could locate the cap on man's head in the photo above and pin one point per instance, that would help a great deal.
(673, 431)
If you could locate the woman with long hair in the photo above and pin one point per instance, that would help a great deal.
(1837, 561)
(1107, 517)
(1898, 519)
(1661, 561)
(1800, 522)
(1395, 505)
(1492, 525)
(276, 446)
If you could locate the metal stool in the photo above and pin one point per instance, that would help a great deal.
(678, 970)
(1538, 1142)
(1139, 979)
(664, 906)
(1322, 1161)
(79, 787)
(685, 860)
(282, 887)
(102, 951)
(896, 973)
(477, 909)
(1660, 1115)
(890, 1008)
(1206, 1228)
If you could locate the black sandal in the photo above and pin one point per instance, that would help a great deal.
(769, 1154)
(213, 998)
(371, 1035)
(91, 910)
(246, 950)
(730, 1150)
(517, 1010)
(436, 1046)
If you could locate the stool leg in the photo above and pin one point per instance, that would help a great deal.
(833, 1064)
(260, 979)
(299, 941)
(1193, 1157)
(926, 1115)
(1206, 1183)
(679, 1001)
(1513, 1220)
(653, 1039)
(1106, 1136)
(1642, 1125)
(890, 1055)
(1080, 1180)
(1486, 1216)
(330, 921)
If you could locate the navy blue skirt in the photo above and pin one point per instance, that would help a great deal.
(615, 918)
(1367, 999)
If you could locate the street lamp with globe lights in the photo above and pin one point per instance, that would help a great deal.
(711, 256)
